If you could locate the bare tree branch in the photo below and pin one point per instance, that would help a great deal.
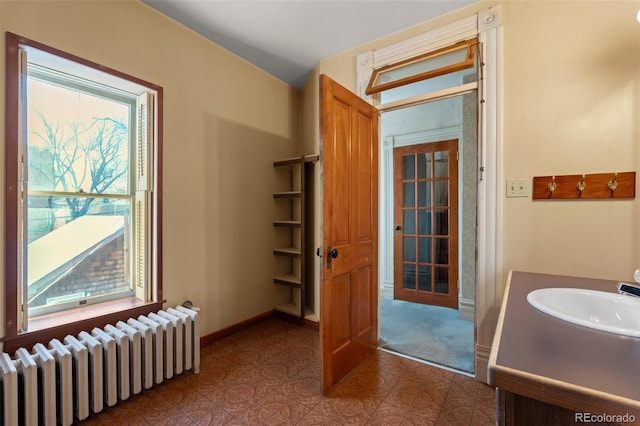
(92, 159)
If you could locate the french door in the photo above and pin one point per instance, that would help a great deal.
(426, 223)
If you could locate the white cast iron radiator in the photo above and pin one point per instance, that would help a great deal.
(69, 379)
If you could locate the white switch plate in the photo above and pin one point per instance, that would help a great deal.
(518, 188)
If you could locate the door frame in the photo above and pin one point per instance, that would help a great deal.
(487, 26)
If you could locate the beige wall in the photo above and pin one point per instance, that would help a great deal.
(571, 105)
(225, 121)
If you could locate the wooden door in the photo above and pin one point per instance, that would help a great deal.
(349, 290)
(426, 223)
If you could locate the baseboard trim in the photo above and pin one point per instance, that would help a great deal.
(243, 325)
(386, 290)
(296, 319)
(482, 362)
(234, 328)
(467, 309)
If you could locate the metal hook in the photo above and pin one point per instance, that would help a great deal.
(552, 185)
(582, 184)
(613, 184)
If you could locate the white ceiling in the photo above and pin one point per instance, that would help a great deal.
(287, 38)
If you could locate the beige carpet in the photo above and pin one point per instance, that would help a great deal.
(430, 333)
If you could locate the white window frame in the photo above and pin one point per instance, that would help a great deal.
(54, 69)
(72, 81)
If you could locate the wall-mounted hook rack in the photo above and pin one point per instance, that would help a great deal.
(585, 186)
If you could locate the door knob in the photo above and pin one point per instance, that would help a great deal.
(398, 227)
(331, 254)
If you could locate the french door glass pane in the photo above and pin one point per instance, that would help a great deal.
(441, 163)
(424, 277)
(442, 251)
(409, 222)
(441, 218)
(442, 280)
(409, 194)
(424, 166)
(409, 276)
(409, 166)
(424, 222)
(409, 249)
(424, 194)
(424, 250)
(441, 193)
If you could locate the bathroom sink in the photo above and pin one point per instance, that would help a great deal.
(610, 312)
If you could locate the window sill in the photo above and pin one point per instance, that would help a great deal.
(58, 325)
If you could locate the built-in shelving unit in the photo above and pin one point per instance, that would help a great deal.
(290, 223)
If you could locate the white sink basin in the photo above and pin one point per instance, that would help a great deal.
(610, 312)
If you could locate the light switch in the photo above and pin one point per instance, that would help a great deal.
(518, 188)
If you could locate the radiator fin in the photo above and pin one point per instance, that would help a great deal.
(64, 388)
(109, 366)
(167, 336)
(46, 384)
(9, 390)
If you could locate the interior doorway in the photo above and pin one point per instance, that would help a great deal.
(484, 79)
(425, 314)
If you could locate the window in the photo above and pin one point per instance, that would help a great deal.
(447, 60)
(83, 184)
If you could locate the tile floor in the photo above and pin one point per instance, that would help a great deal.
(269, 374)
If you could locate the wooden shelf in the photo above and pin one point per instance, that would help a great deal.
(293, 229)
(290, 223)
(288, 279)
(288, 251)
(287, 162)
(288, 194)
(312, 158)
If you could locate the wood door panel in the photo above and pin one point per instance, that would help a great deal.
(362, 280)
(340, 301)
(362, 210)
(342, 267)
(364, 254)
(340, 193)
(363, 181)
(349, 290)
